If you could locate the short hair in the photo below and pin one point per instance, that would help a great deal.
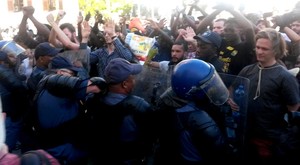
(183, 43)
(68, 26)
(220, 19)
(265, 22)
(277, 40)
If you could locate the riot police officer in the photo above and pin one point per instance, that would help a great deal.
(189, 135)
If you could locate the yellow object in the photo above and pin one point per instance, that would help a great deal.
(152, 52)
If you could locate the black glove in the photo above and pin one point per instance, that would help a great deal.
(100, 83)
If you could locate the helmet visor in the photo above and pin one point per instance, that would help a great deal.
(216, 90)
(12, 48)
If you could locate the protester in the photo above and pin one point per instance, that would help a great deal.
(208, 44)
(64, 35)
(114, 49)
(274, 93)
(237, 46)
(178, 53)
(43, 30)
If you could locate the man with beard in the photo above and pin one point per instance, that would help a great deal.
(178, 51)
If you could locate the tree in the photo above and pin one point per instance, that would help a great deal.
(106, 7)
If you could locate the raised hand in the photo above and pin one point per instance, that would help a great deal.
(161, 24)
(28, 11)
(79, 18)
(189, 34)
(86, 30)
(50, 18)
(60, 15)
(153, 24)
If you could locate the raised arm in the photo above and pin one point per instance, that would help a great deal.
(207, 21)
(53, 36)
(41, 28)
(158, 29)
(79, 28)
(85, 32)
(60, 35)
(26, 39)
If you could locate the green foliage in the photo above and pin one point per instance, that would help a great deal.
(106, 7)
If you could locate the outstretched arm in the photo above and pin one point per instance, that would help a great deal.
(60, 35)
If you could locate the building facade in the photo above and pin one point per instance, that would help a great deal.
(11, 10)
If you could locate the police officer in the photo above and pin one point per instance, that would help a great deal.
(61, 121)
(188, 134)
(122, 122)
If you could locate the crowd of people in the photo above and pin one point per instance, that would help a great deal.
(70, 92)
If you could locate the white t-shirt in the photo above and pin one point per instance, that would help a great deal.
(164, 65)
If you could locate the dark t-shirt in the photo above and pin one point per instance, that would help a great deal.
(278, 88)
(236, 57)
(218, 64)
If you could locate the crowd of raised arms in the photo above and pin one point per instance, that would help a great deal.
(179, 90)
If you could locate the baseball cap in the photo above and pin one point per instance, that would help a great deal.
(60, 62)
(119, 69)
(210, 38)
(46, 49)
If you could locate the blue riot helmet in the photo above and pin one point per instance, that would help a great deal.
(194, 78)
(11, 47)
(14, 54)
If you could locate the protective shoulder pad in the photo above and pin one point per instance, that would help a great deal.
(60, 85)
